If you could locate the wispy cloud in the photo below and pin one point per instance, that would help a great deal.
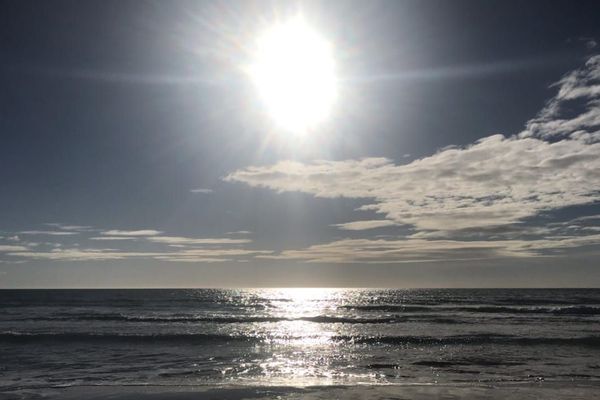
(49, 233)
(187, 240)
(556, 119)
(161, 247)
(114, 238)
(140, 232)
(202, 190)
(194, 259)
(75, 254)
(590, 43)
(364, 225)
(587, 218)
(407, 250)
(155, 247)
(10, 248)
(212, 255)
(66, 227)
(188, 255)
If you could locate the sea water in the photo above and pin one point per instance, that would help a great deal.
(56, 338)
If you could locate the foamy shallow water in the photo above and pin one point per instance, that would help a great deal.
(298, 337)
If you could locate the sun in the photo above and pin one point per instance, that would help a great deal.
(293, 70)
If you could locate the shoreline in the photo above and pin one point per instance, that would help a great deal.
(546, 390)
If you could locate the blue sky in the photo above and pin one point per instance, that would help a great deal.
(462, 150)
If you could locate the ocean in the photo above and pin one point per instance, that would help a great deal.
(297, 337)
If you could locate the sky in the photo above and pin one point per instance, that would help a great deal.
(462, 148)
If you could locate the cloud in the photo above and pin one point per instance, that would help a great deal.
(465, 202)
(141, 232)
(179, 240)
(202, 190)
(194, 259)
(160, 247)
(495, 181)
(557, 119)
(49, 233)
(76, 254)
(364, 225)
(212, 255)
(408, 250)
(590, 42)
(239, 233)
(114, 238)
(10, 248)
(77, 228)
(220, 252)
(587, 218)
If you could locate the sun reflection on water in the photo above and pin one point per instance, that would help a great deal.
(297, 303)
(304, 352)
(299, 332)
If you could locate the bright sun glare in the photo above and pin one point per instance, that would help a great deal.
(293, 70)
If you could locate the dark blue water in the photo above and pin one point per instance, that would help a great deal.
(297, 336)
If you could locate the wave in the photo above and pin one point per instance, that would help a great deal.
(68, 337)
(388, 308)
(196, 338)
(556, 310)
(478, 339)
(491, 362)
(237, 319)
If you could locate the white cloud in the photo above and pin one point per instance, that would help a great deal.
(162, 247)
(364, 225)
(495, 181)
(410, 250)
(49, 233)
(202, 190)
(194, 259)
(464, 203)
(77, 228)
(76, 254)
(81, 255)
(115, 238)
(140, 232)
(220, 252)
(587, 218)
(186, 240)
(480, 194)
(10, 248)
(211, 255)
(555, 119)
